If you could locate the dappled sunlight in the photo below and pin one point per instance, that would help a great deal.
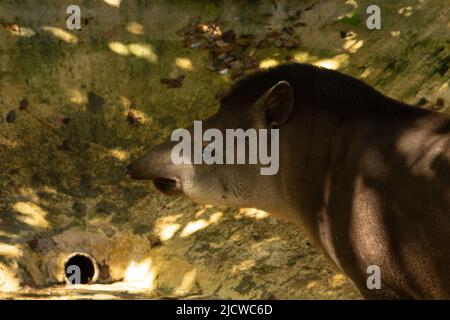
(140, 50)
(135, 28)
(303, 57)
(10, 251)
(200, 212)
(195, 226)
(333, 63)
(251, 213)
(423, 166)
(144, 51)
(184, 63)
(80, 106)
(353, 45)
(8, 279)
(140, 274)
(311, 285)
(268, 63)
(406, 11)
(119, 154)
(7, 234)
(29, 193)
(113, 3)
(166, 227)
(258, 247)
(243, 266)
(119, 48)
(367, 72)
(61, 34)
(49, 190)
(31, 214)
(444, 86)
(352, 3)
(99, 296)
(77, 97)
(8, 142)
(167, 231)
(139, 115)
(187, 283)
(337, 280)
(126, 102)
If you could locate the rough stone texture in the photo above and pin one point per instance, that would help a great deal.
(63, 186)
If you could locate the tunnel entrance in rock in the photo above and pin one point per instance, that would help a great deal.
(80, 268)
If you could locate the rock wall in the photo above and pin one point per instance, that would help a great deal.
(76, 106)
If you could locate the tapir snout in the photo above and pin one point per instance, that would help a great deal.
(156, 166)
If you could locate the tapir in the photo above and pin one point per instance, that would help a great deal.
(365, 176)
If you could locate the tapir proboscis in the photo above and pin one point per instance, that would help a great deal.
(365, 176)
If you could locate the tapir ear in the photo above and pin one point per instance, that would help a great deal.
(276, 104)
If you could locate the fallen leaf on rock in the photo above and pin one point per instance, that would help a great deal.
(272, 34)
(11, 116)
(439, 104)
(214, 63)
(248, 62)
(33, 243)
(23, 104)
(229, 59)
(422, 101)
(227, 50)
(289, 30)
(299, 24)
(229, 36)
(244, 40)
(223, 47)
(64, 146)
(173, 82)
(55, 121)
(289, 44)
(132, 119)
(189, 29)
(278, 43)
(236, 64)
(290, 59)
(104, 272)
(154, 240)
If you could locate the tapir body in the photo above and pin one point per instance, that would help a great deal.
(367, 177)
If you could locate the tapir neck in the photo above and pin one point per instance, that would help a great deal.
(323, 167)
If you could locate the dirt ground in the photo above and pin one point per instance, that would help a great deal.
(77, 106)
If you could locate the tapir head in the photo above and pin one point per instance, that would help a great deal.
(223, 182)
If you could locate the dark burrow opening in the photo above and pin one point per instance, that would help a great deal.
(80, 268)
